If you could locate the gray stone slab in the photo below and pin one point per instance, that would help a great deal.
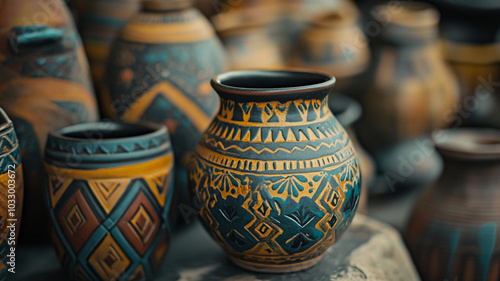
(369, 250)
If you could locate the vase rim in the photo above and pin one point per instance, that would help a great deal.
(469, 143)
(113, 129)
(245, 82)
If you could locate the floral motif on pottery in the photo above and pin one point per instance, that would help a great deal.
(277, 179)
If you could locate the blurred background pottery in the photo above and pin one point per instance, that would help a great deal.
(109, 205)
(250, 45)
(44, 85)
(410, 92)
(159, 70)
(472, 49)
(297, 14)
(348, 111)
(100, 25)
(453, 232)
(276, 175)
(334, 43)
(11, 191)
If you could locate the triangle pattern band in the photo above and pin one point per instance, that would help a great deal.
(108, 191)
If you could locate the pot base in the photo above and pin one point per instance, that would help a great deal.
(267, 268)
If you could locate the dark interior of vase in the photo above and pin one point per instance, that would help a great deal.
(108, 131)
(272, 79)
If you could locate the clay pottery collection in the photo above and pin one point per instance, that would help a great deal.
(109, 187)
(159, 70)
(348, 111)
(275, 174)
(11, 190)
(453, 232)
(334, 43)
(100, 25)
(410, 92)
(44, 85)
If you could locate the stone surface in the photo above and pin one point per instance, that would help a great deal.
(369, 250)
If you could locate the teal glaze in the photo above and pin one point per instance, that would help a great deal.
(45, 86)
(453, 231)
(10, 176)
(131, 161)
(34, 35)
(454, 242)
(486, 239)
(275, 174)
(105, 21)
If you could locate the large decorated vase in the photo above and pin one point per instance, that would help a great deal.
(276, 175)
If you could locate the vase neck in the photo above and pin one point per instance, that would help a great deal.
(272, 113)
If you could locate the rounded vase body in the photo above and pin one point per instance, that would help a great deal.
(276, 175)
(108, 190)
(160, 70)
(348, 111)
(11, 193)
(453, 231)
(44, 85)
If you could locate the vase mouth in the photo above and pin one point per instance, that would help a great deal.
(480, 144)
(106, 145)
(271, 82)
(112, 131)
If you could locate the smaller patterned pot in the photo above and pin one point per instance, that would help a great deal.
(11, 191)
(109, 190)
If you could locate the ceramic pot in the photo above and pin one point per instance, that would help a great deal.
(100, 25)
(453, 232)
(410, 92)
(51, 13)
(348, 111)
(250, 46)
(296, 16)
(43, 87)
(472, 49)
(276, 175)
(108, 190)
(160, 71)
(11, 193)
(246, 20)
(334, 43)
